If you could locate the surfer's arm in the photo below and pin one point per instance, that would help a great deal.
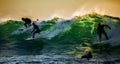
(108, 26)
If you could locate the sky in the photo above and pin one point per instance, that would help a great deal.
(47, 9)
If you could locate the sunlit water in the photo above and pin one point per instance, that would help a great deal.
(52, 52)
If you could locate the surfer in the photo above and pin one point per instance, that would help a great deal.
(35, 29)
(88, 56)
(100, 31)
(27, 22)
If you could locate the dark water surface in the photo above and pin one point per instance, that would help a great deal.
(9, 48)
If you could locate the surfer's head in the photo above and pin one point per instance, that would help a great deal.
(99, 23)
(22, 18)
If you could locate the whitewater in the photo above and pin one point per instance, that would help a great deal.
(60, 27)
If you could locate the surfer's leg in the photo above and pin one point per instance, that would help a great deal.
(25, 25)
(29, 24)
(105, 35)
(38, 32)
(34, 33)
(100, 35)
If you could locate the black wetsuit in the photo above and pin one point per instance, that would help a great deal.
(88, 56)
(27, 22)
(100, 31)
(35, 30)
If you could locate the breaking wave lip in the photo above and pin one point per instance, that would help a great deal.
(59, 27)
(17, 32)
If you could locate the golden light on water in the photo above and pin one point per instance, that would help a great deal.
(46, 9)
(82, 11)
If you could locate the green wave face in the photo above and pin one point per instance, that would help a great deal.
(80, 34)
(83, 30)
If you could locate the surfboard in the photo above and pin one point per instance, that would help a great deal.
(30, 38)
(21, 30)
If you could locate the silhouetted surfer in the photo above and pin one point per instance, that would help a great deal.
(100, 31)
(87, 56)
(35, 29)
(27, 22)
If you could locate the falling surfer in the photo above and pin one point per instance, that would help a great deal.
(100, 31)
(27, 22)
